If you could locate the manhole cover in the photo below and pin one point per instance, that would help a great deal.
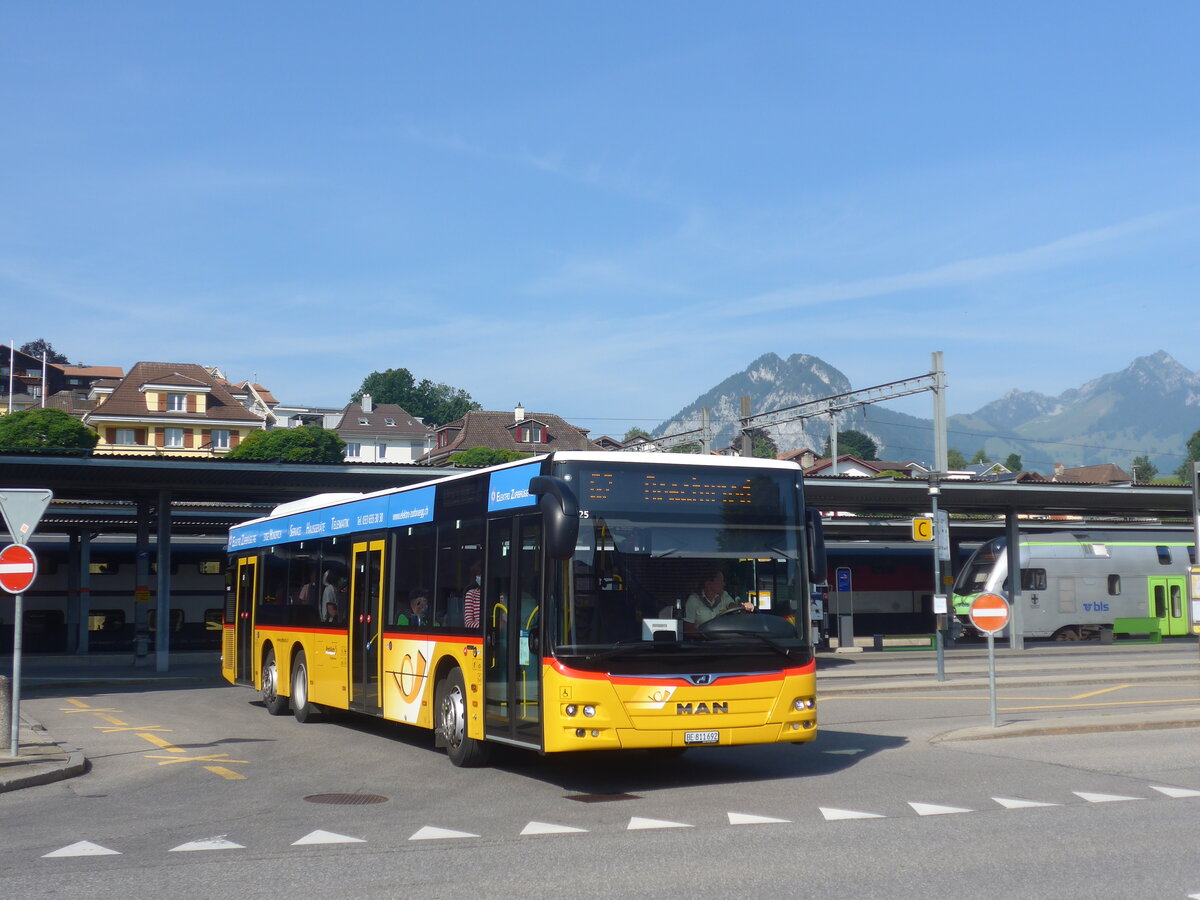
(601, 798)
(346, 799)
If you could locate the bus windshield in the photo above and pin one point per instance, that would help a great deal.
(645, 547)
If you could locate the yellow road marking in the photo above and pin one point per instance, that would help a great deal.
(212, 757)
(78, 703)
(228, 774)
(1119, 687)
(112, 720)
(87, 709)
(1108, 703)
(160, 743)
(113, 729)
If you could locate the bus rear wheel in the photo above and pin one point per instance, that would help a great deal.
(451, 706)
(304, 708)
(275, 704)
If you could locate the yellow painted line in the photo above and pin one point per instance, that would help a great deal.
(113, 729)
(213, 757)
(225, 773)
(89, 710)
(77, 703)
(111, 720)
(1119, 687)
(160, 743)
(1110, 703)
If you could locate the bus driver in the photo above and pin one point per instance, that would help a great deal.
(711, 600)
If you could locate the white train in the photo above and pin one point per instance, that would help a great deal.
(1074, 583)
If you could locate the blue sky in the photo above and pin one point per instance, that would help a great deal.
(602, 210)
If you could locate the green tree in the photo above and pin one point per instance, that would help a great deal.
(485, 456)
(762, 444)
(437, 404)
(1143, 470)
(1184, 472)
(44, 430)
(35, 349)
(955, 459)
(635, 432)
(1013, 463)
(306, 444)
(980, 457)
(856, 444)
(689, 447)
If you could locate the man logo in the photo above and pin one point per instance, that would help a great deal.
(701, 709)
(700, 679)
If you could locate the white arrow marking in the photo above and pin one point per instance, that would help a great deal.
(747, 819)
(638, 824)
(81, 848)
(326, 837)
(213, 843)
(834, 815)
(932, 809)
(1103, 798)
(849, 752)
(549, 828)
(1176, 792)
(429, 833)
(1020, 804)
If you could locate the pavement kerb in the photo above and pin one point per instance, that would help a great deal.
(1146, 721)
(42, 759)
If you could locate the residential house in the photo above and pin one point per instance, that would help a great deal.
(31, 381)
(382, 432)
(171, 409)
(1101, 474)
(534, 433)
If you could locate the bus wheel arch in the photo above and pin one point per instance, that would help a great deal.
(276, 705)
(450, 710)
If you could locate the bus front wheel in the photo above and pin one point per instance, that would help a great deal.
(304, 708)
(451, 705)
(275, 704)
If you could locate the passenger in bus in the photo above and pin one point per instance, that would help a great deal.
(711, 600)
(329, 592)
(471, 598)
(331, 612)
(308, 592)
(417, 614)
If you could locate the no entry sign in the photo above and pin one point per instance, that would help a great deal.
(989, 612)
(18, 568)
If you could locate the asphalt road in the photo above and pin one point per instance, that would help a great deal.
(197, 792)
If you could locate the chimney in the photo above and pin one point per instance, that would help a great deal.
(367, 404)
(519, 413)
(1058, 470)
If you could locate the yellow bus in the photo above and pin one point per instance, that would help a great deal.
(577, 601)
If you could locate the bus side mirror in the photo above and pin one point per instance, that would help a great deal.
(560, 514)
(814, 532)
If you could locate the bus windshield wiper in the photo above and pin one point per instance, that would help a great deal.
(773, 644)
(622, 647)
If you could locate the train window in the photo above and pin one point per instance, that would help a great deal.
(1114, 585)
(1164, 554)
(1191, 554)
(1160, 602)
(1033, 579)
(102, 568)
(1176, 602)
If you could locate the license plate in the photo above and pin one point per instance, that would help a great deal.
(702, 737)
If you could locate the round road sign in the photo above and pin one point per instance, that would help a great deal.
(989, 612)
(18, 568)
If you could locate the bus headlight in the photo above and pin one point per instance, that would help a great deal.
(571, 709)
(589, 710)
(800, 704)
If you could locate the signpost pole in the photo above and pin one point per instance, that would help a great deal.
(14, 748)
(939, 614)
(992, 674)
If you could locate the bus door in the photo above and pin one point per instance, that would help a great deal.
(512, 606)
(366, 621)
(245, 590)
(1167, 603)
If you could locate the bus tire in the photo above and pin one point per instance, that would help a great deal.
(451, 706)
(275, 704)
(304, 709)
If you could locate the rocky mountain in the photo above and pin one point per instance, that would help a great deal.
(1149, 408)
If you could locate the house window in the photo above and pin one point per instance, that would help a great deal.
(391, 423)
(220, 439)
(529, 434)
(353, 451)
(126, 436)
(363, 420)
(173, 438)
(177, 402)
(380, 451)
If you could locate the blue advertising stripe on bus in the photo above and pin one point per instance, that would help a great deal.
(369, 514)
(509, 488)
